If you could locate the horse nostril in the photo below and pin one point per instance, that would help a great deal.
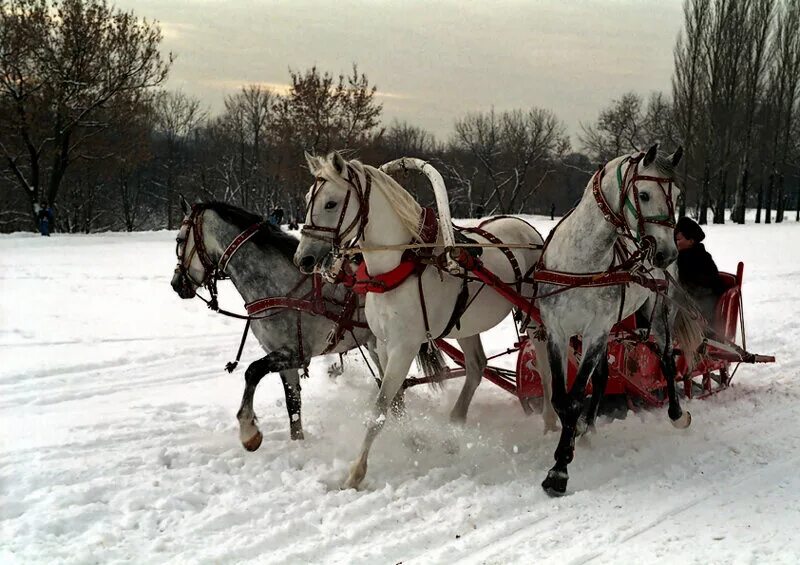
(307, 262)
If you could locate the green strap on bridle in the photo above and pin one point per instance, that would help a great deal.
(630, 205)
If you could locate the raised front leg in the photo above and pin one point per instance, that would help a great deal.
(569, 406)
(279, 360)
(475, 361)
(398, 362)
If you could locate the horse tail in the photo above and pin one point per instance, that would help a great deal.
(431, 362)
(688, 328)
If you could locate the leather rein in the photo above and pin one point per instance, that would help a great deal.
(313, 302)
(627, 266)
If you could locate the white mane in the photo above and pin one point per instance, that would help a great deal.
(403, 204)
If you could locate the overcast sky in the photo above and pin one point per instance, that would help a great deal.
(431, 61)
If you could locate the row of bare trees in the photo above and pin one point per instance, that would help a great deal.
(86, 128)
(735, 107)
(737, 102)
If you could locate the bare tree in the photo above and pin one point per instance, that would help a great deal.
(507, 149)
(760, 18)
(320, 114)
(64, 67)
(177, 116)
(686, 84)
(619, 129)
(247, 114)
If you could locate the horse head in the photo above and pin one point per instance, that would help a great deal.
(641, 191)
(192, 270)
(337, 206)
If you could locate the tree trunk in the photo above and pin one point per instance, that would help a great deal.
(768, 205)
(703, 203)
(719, 209)
(797, 203)
(780, 205)
(740, 200)
(760, 201)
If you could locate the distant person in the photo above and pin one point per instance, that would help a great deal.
(697, 272)
(45, 219)
(552, 211)
(294, 224)
(276, 217)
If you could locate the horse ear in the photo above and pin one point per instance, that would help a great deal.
(676, 157)
(338, 162)
(312, 162)
(184, 205)
(650, 156)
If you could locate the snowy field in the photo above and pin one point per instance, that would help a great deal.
(118, 438)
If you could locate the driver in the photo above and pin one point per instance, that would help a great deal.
(697, 272)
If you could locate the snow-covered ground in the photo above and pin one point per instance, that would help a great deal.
(118, 438)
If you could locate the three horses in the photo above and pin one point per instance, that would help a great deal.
(623, 223)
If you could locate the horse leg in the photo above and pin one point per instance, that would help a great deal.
(569, 406)
(475, 362)
(398, 363)
(679, 418)
(599, 382)
(291, 389)
(543, 367)
(249, 434)
(399, 402)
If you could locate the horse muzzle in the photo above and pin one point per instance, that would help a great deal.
(311, 255)
(182, 286)
(663, 260)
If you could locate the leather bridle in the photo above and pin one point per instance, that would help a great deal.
(336, 236)
(629, 198)
(212, 272)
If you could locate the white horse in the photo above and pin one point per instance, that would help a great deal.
(625, 218)
(351, 201)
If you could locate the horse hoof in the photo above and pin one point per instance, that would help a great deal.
(683, 421)
(458, 419)
(297, 435)
(254, 442)
(555, 484)
(351, 483)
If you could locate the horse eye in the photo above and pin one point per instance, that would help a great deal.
(330, 205)
(644, 196)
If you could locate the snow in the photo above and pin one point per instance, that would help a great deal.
(119, 443)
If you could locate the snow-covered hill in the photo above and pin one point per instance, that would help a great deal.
(118, 438)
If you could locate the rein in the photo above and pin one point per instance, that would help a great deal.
(313, 302)
(626, 266)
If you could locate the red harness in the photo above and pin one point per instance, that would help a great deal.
(410, 263)
(313, 302)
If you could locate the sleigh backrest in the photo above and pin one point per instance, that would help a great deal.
(726, 314)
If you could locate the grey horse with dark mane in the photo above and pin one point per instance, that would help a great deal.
(262, 267)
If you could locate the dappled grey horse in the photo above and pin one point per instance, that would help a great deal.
(623, 225)
(262, 267)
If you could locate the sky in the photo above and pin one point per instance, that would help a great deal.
(432, 61)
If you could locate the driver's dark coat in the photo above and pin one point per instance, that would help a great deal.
(699, 276)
